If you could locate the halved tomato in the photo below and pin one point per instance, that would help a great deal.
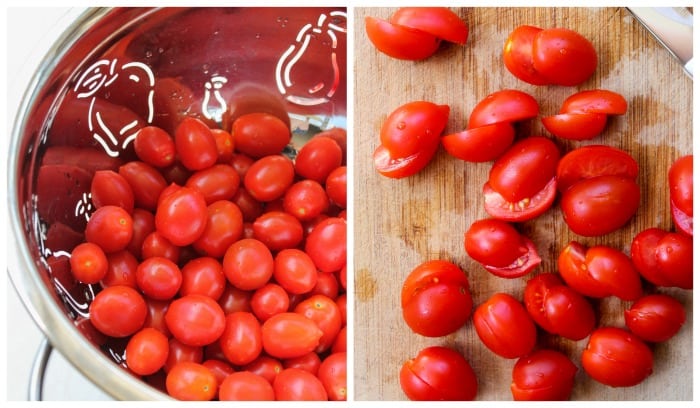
(595, 101)
(517, 55)
(523, 210)
(402, 167)
(438, 21)
(480, 144)
(507, 105)
(413, 126)
(592, 161)
(400, 42)
(575, 126)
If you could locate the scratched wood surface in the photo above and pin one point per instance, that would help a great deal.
(401, 223)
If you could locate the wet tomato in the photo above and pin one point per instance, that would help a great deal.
(591, 161)
(543, 375)
(195, 144)
(110, 227)
(563, 56)
(438, 21)
(680, 182)
(617, 358)
(438, 374)
(260, 134)
(118, 311)
(504, 326)
(88, 263)
(400, 42)
(181, 216)
(154, 146)
(504, 106)
(655, 317)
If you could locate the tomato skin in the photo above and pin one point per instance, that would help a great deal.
(526, 209)
(506, 105)
(195, 320)
(248, 264)
(203, 276)
(504, 326)
(682, 221)
(494, 242)
(295, 271)
(318, 158)
(121, 269)
(268, 301)
(680, 182)
(118, 311)
(224, 145)
(595, 101)
(480, 144)
(575, 126)
(188, 381)
(260, 134)
(245, 386)
(88, 263)
(568, 68)
(438, 373)
(327, 244)
(599, 271)
(402, 167)
(154, 146)
(179, 352)
(147, 351)
(195, 144)
(306, 200)
(592, 161)
(224, 227)
(269, 177)
(241, 339)
(643, 254)
(557, 308)
(674, 257)
(146, 183)
(110, 227)
(616, 357)
(336, 186)
(413, 126)
(326, 314)
(158, 278)
(400, 42)
(308, 362)
(110, 188)
(600, 205)
(333, 375)
(278, 230)
(142, 224)
(218, 182)
(265, 366)
(517, 55)
(435, 298)
(438, 21)
(294, 384)
(655, 318)
(289, 335)
(543, 375)
(181, 216)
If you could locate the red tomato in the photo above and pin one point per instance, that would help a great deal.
(88, 263)
(110, 227)
(241, 340)
(326, 284)
(504, 326)
(155, 317)
(179, 352)
(438, 373)
(526, 209)
(224, 227)
(643, 254)
(333, 375)
(118, 311)
(438, 21)
(680, 182)
(224, 145)
(413, 127)
(403, 166)
(341, 341)
(156, 245)
(480, 144)
(306, 199)
(517, 55)
(308, 362)
(218, 182)
(563, 56)
(557, 308)
(248, 264)
(400, 42)
(617, 358)
(154, 146)
(147, 351)
(525, 168)
(195, 144)
(317, 158)
(142, 224)
(674, 258)
(278, 230)
(681, 220)
(203, 276)
(219, 368)
(265, 366)
(295, 271)
(435, 298)
(507, 105)
(250, 207)
(195, 320)
(260, 134)
(158, 278)
(500, 248)
(235, 300)
(336, 186)
(326, 314)
(121, 269)
(600, 205)
(592, 161)
(294, 384)
(289, 335)
(181, 216)
(245, 386)
(110, 188)
(188, 381)
(599, 271)
(268, 301)
(543, 375)
(146, 183)
(655, 318)
(327, 244)
(575, 126)
(269, 177)
(595, 101)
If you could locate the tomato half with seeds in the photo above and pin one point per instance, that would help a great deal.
(517, 55)
(594, 160)
(655, 317)
(575, 126)
(680, 182)
(507, 105)
(404, 166)
(526, 209)
(617, 358)
(400, 42)
(438, 374)
(435, 298)
(563, 56)
(480, 144)
(504, 326)
(543, 375)
(438, 21)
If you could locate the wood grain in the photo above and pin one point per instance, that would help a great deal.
(401, 223)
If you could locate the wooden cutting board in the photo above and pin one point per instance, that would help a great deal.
(401, 223)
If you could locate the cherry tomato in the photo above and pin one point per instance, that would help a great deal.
(146, 183)
(156, 245)
(595, 101)
(235, 300)
(181, 216)
(504, 326)
(158, 278)
(294, 384)
(306, 199)
(268, 301)
(218, 182)
(674, 257)
(563, 56)
(517, 55)
(326, 284)
(413, 127)
(333, 375)
(575, 126)
(188, 381)
(400, 42)
(155, 317)
(88, 263)
(617, 358)
(655, 318)
(308, 362)
(260, 134)
(142, 224)
(643, 254)
(592, 161)
(203, 276)
(480, 144)
(269, 177)
(435, 298)
(195, 144)
(241, 340)
(500, 248)
(224, 227)
(526, 209)
(599, 271)
(147, 351)
(543, 375)
(289, 335)
(154, 146)
(336, 186)
(195, 320)
(680, 182)
(245, 386)
(681, 220)
(224, 145)
(438, 21)
(118, 311)
(121, 269)
(327, 244)
(403, 166)
(110, 188)
(265, 366)
(278, 230)
(295, 271)
(438, 373)
(179, 352)
(524, 169)
(507, 105)
(248, 264)
(326, 314)
(557, 308)
(250, 207)
(341, 341)
(110, 227)
(600, 205)
(317, 158)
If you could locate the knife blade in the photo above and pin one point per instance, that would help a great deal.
(673, 28)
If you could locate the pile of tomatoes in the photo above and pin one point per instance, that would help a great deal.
(221, 262)
(598, 195)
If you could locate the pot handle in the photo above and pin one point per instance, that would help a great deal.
(36, 379)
